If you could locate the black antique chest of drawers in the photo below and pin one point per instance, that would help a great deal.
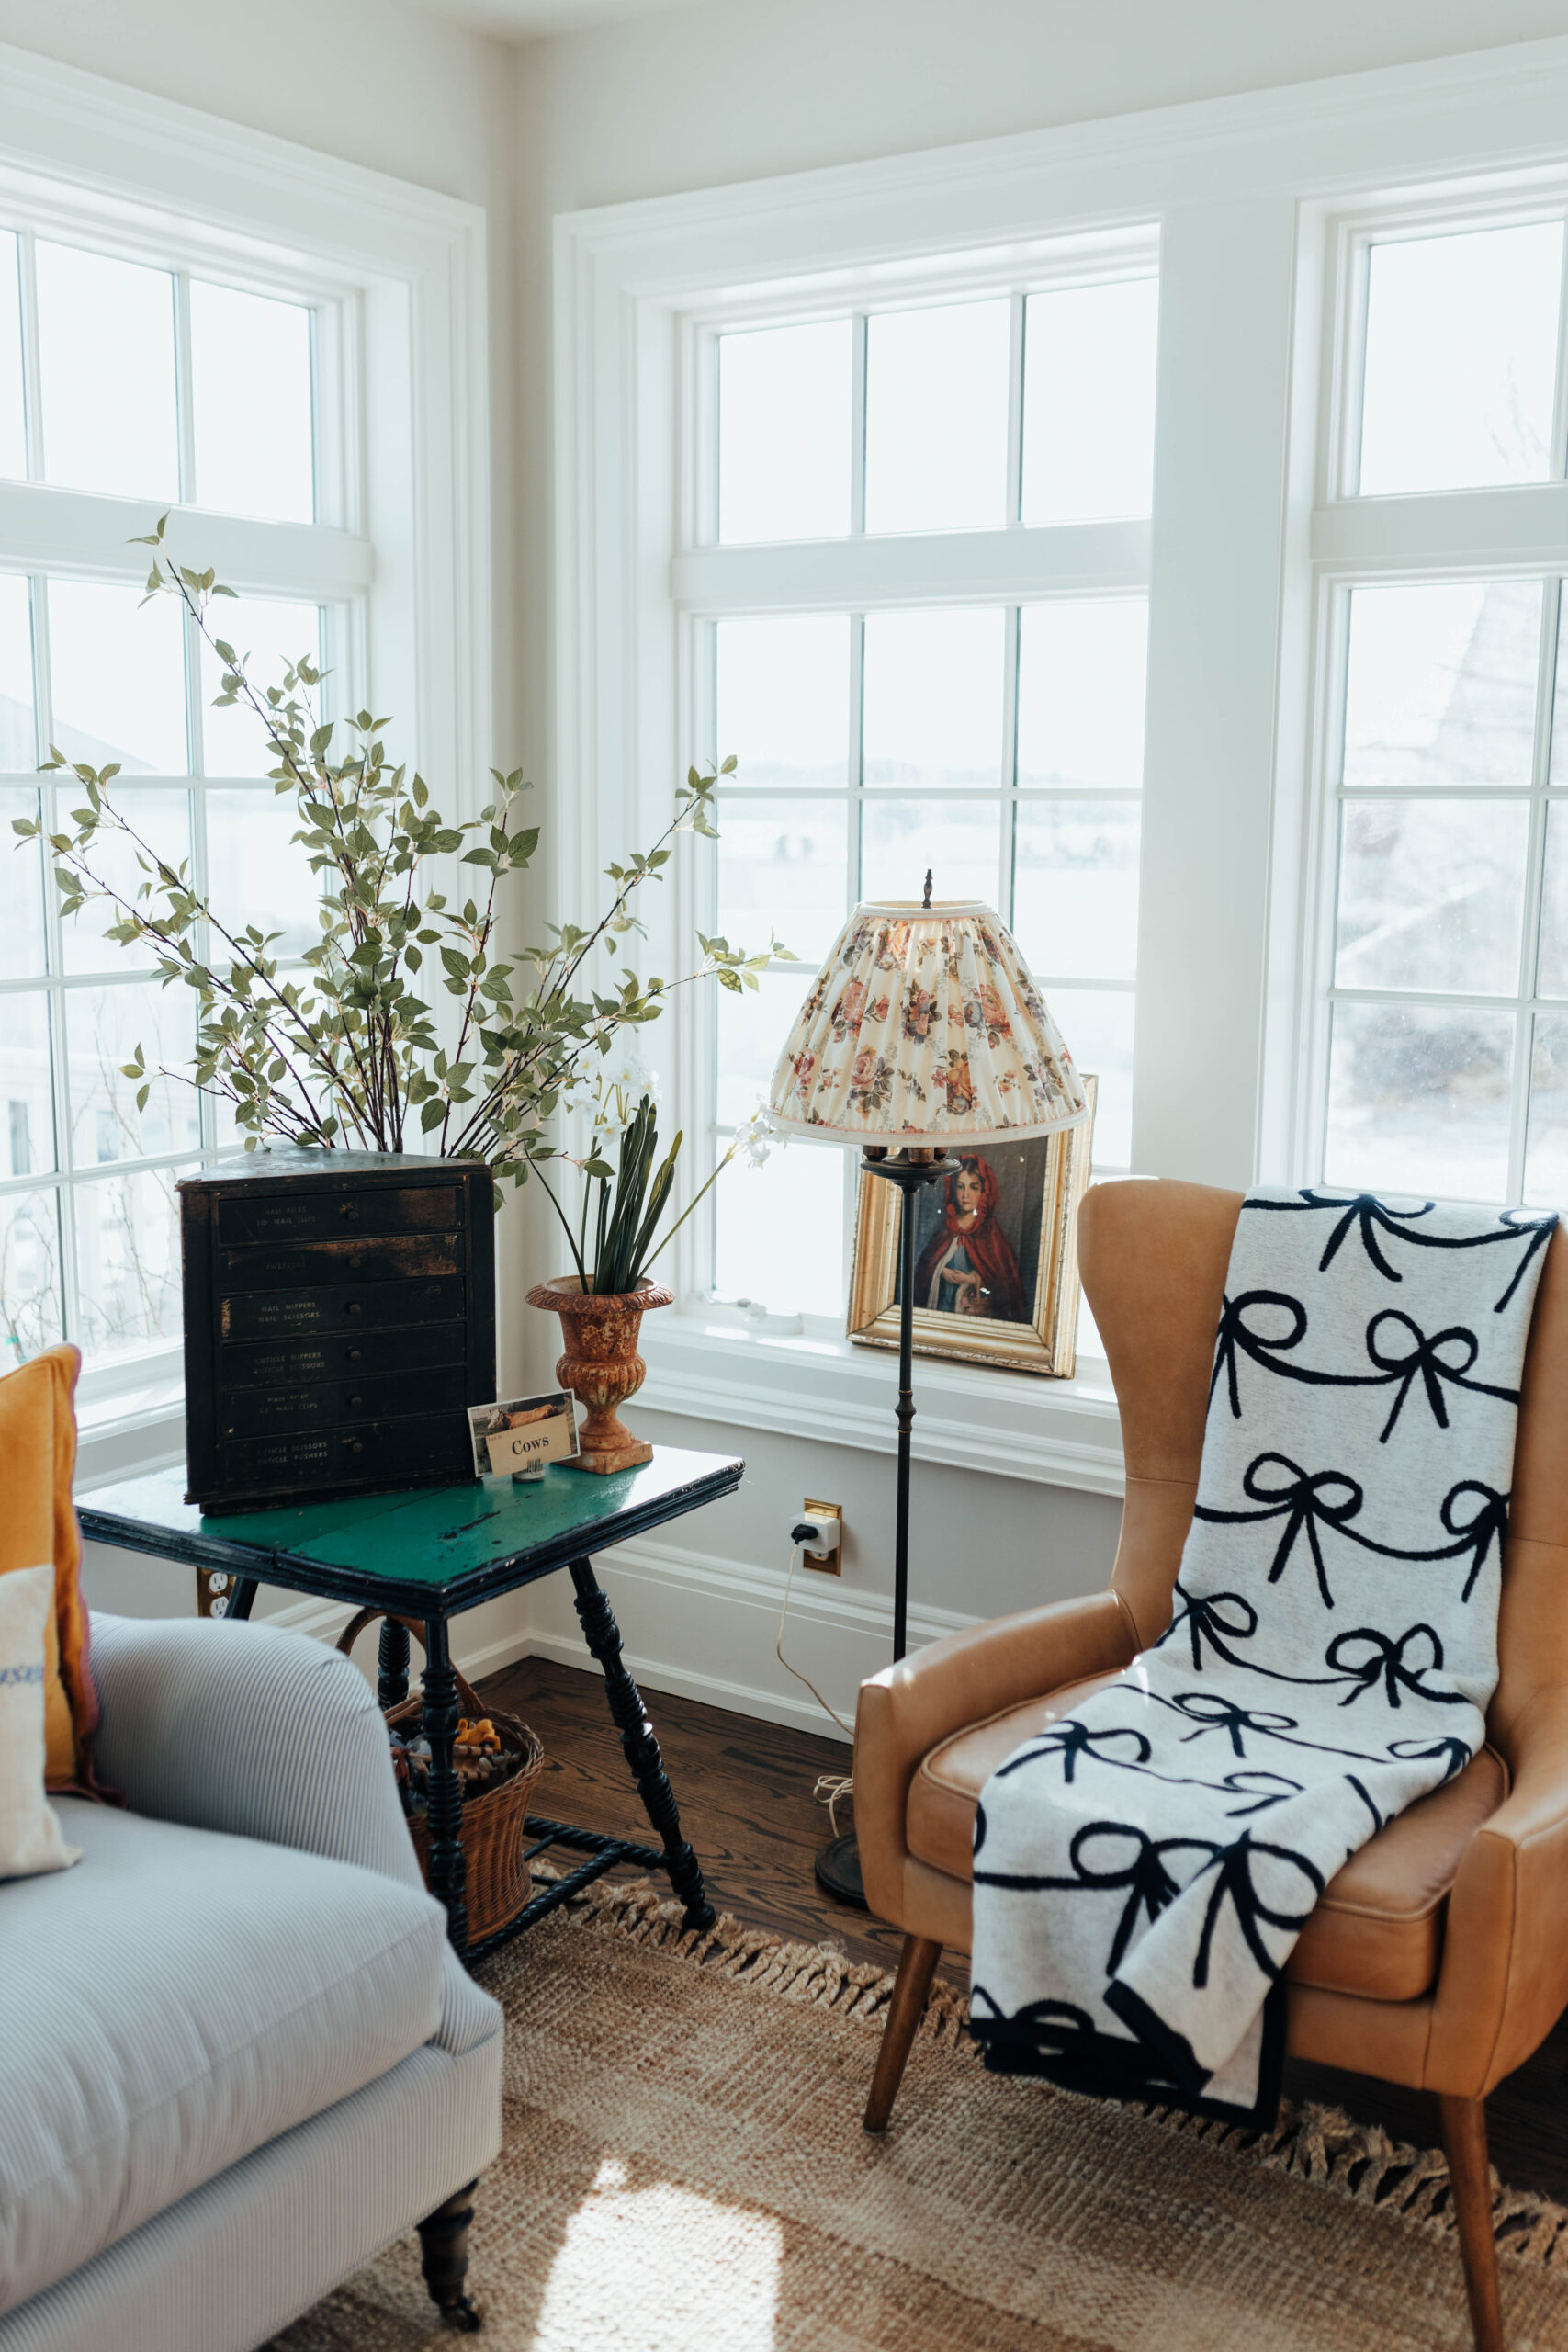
(338, 1319)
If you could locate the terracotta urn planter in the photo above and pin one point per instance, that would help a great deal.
(601, 1366)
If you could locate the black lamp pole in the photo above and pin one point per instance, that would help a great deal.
(837, 1865)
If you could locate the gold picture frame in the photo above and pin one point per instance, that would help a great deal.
(1036, 1188)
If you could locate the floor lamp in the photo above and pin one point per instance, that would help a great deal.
(923, 1036)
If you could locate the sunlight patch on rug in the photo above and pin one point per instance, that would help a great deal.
(671, 2256)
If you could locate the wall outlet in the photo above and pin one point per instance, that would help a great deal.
(823, 1550)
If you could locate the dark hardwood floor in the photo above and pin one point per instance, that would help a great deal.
(745, 1793)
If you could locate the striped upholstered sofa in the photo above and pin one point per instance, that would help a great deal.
(237, 2056)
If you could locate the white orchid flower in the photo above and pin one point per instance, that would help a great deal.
(755, 1137)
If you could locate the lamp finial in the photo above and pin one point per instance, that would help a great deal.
(928, 895)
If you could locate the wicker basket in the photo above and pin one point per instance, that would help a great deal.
(495, 1834)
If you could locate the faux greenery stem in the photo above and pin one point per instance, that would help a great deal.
(348, 1050)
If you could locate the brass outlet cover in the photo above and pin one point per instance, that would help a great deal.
(833, 1566)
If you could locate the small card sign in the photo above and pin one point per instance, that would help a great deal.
(522, 1434)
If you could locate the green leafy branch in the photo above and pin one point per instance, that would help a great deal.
(350, 1053)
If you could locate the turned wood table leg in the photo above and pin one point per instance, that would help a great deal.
(641, 1748)
(444, 2258)
(392, 1684)
(1469, 2174)
(917, 1966)
(445, 1816)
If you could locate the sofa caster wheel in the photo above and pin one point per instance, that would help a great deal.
(444, 2258)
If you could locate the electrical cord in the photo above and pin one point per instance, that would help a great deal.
(830, 1786)
(846, 1783)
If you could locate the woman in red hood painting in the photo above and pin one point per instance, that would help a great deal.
(967, 1266)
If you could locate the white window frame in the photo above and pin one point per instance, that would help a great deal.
(1519, 531)
(1010, 567)
(395, 276)
(1245, 193)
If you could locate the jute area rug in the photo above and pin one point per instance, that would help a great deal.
(684, 2166)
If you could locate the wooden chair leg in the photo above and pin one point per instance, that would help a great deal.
(917, 1966)
(444, 2258)
(1470, 2173)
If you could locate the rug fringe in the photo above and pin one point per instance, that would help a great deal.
(1319, 2144)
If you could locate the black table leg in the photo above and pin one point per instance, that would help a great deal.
(444, 1818)
(603, 1638)
(392, 1686)
(242, 1598)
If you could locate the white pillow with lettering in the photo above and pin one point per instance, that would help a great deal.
(30, 1836)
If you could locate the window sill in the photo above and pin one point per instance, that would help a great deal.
(130, 1430)
(1053, 1433)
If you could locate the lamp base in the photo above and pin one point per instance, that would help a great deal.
(837, 1869)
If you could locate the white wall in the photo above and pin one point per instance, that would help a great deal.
(737, 89)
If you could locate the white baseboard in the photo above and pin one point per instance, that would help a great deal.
(326, 1620)
(697, 1627)
(704, 1628)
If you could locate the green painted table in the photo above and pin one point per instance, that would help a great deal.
(430, 1555)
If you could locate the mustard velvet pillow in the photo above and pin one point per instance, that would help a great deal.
(37, 1522)
(30, 1836)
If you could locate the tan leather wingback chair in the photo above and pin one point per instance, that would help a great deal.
(1439, 1956)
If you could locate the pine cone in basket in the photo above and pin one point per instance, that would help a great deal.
(483, 1762)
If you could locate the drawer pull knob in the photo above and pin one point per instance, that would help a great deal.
(355, 1404)
(354, 1308)
(349, 1210)
(353, 1445)
(354, 1353)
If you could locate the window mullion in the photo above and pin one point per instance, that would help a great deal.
(54, 965)
(857, 759)
(201, 868)
(184, 409)
(1014, 509)
(1007, 828)
(1524, 1033)
(32, 382)
(1558, 463)
(857, 426)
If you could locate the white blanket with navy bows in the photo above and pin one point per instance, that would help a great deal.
(1144, 1866)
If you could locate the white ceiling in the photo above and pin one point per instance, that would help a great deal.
(528, 19)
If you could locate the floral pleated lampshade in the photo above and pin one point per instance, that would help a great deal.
(923, 1026)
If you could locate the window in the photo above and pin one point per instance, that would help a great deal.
(908, 719)
(1443, 1058)
(1360, 399)
(293, 362)
(208, 402)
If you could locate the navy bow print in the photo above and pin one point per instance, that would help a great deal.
(1149, 1885)
(1425, 1360)
(1211, 1712)
(1372, 1215)
(1203, 1616)
(1414, 1751)
(1235, 1334)
(1070, 1739)
(1540, 1230)
(1384, 1661)
(1488, 1524)
(1233, 1868)
(1264, 1789)
(1307, 1498)
(1364, 1210)
(1058, 2023)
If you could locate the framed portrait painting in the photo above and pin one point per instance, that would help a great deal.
(995, 1256)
